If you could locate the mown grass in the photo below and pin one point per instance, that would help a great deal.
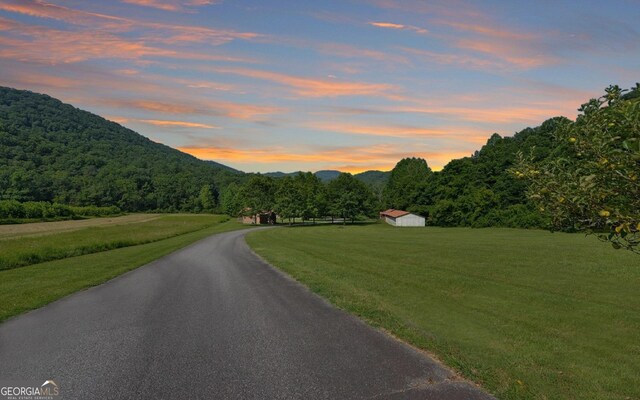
(527, 314)
(23, 251)
(30, 287)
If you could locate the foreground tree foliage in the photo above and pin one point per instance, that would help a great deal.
(593, 187)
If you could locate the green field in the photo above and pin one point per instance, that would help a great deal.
(526, 314)
(26, 250)
(32, 286)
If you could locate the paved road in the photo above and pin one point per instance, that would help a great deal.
(213, 321)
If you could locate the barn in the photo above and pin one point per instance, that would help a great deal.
(401, 218)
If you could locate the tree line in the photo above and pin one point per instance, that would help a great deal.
(12, 210)
(302, 196)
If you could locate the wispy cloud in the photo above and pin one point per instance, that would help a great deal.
(390, 25)
(488, 115)
(349, 51)
(465, 61)
(309, 87)
(488, 30)
(52, 46)
(250, 112)
(456, 8)
(522, 55)
(181, 124)
(402, 131)
(153, 31)
(170, 5)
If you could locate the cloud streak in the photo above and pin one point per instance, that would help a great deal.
(402, 131)
(181, 124)
(390, 25)
(152, 30)
(309, 87)
(169, 5)
(250, 112)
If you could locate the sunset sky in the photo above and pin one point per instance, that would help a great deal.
(290, 85)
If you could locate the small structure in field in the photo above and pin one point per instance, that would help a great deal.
(261, 218)
(401, 218)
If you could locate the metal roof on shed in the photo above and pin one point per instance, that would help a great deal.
(394, 213)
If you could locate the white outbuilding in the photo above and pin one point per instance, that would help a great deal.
(401, 218)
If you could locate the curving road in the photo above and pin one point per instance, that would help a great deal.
(213, 321)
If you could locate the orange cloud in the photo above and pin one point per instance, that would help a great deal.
(165, 33)
(403, 131)
(307, 87)
(387, 25)
(183, 124)
(488, 30)
(519, 54)
(119, 120)
(390, 25)
(41, 80)
(497, 115)
(349, 159)
(39, 9)
(61, 46)
(203, 107)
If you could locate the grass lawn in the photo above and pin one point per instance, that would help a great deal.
(30, 287)
(526, 314)
(22, 251)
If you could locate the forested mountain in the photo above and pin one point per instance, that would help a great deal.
(51, 151)
(327, 175)
(375, 179)
(280, 174)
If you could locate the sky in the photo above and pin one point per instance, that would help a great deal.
(352, 85)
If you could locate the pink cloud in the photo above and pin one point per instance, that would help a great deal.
(308, 87)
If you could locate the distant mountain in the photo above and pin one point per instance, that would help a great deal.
(51, 151)
(279, 174)
(327, 175)
(374, 178)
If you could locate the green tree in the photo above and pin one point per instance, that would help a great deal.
(257, 194)
(349, 198)
(207, 199)
(407, 184)
(289, 198)
(595, 188)
(229, 201)
(313, 196)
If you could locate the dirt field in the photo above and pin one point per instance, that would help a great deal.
(46, 228)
